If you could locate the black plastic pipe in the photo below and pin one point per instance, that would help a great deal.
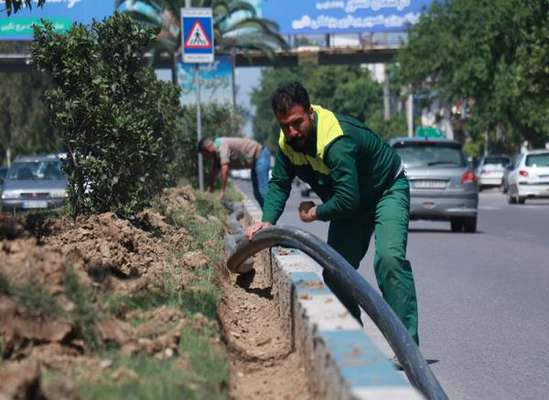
(407, 352)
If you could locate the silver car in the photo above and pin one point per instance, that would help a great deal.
(34, 182)
(443, 187)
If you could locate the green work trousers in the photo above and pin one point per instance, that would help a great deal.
(351, 237)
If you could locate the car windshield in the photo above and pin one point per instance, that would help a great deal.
(430, 154)
(537, 160)
(36, 170)
(497, 161)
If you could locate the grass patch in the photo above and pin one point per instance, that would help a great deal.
(204, 376)
(36, 301)
(84, 315)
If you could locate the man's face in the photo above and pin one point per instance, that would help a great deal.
(297, 126)
(208, 150)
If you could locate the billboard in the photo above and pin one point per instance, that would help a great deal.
(61, 13)
(343, 16)
(216, 81)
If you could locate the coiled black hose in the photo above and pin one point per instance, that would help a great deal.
(407, 352)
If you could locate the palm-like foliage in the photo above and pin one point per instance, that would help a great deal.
(237, 28)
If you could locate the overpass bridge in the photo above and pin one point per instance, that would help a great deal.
(311, 55)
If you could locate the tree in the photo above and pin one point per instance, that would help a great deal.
(346, 90)
(12, 6)
(117, 121)
(493, 55)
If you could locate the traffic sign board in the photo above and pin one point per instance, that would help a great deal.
(197, 35)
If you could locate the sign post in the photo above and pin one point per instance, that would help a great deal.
(198, 47)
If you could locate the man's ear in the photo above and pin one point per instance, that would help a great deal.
(311, 113)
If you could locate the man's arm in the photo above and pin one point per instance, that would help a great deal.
(341, 159)
(213, 175)
(280, 186)
(224, 177)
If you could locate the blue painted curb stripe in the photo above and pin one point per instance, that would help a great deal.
(360, 361)
(309, 283)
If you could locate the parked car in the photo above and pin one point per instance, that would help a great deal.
(35, 182)
(491, 169)
(506, 172)
(443, 187)
(529, 177)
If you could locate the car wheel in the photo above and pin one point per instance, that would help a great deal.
(456, 225)
(470, 225)
(521, 199)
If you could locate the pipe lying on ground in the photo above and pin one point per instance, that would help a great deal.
(408, 354)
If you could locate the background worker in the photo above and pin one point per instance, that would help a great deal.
(362, 184)
(237, 153)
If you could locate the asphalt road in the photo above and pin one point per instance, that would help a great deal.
(483, 298)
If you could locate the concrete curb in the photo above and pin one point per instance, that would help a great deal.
(343, 360)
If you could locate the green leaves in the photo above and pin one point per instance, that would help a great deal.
(117, 121)
(12, 6)
(494, 55)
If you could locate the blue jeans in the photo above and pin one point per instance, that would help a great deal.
(260, 175)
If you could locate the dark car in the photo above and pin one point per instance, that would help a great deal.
(443, 187)
(35, 182)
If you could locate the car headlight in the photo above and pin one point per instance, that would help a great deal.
(10, 195)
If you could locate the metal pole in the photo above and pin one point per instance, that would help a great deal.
(199, 127)
(198, 117)
(386, 94)
(410, 112)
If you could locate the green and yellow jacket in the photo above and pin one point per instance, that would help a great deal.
(347, 165)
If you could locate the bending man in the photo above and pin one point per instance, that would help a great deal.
(237, 153)
(364, 190)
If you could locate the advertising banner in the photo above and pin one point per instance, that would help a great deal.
(61, 13)
(343, 16)
(216, 81)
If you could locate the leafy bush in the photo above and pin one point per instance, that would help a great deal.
(117, 121)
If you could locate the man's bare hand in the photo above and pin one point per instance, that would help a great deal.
(253, 229)
(307, 211)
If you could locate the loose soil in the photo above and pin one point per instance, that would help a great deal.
(65, 286)
(263, 364)
(65, 292)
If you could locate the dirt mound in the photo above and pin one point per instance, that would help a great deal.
(65, 286)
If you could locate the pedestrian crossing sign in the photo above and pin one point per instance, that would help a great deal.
(197, 39)
(197, 35)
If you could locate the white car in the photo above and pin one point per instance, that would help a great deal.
(491, 169)
(529, 177)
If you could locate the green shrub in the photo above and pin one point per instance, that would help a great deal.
(117, 120)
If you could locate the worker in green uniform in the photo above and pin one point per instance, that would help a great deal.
(363, 187)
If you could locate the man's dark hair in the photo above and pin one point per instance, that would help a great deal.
(202, 143)
(287, 96)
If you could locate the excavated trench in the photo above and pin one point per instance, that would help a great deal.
(263, 362)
